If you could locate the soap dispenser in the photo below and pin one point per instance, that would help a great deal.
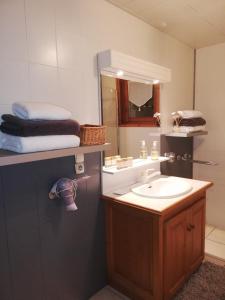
(143, 150)
(154, 151)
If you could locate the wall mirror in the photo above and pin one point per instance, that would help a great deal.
(127, 105)
(130, 95)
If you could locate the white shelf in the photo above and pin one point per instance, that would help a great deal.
(190, 134)
(13, 158)
(137, 163)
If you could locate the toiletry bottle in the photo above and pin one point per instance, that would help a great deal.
(113, 160)
(154, 151)
(143, 150)
(130, 161)
(108, 162)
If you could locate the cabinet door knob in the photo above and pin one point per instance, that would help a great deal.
(189, 227)
(192, 226)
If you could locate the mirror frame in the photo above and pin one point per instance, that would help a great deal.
(123, 107)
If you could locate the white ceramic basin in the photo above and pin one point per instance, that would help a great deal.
(164, 188)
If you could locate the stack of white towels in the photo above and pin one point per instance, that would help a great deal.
(36, 113)
(189, 121)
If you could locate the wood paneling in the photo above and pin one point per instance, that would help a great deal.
(184, 248)
(196, 241)
(174, 253)
(130, 251)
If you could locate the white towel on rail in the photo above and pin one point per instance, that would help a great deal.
(37, 143)
(188, 129)
(189, 114)
(39, 110)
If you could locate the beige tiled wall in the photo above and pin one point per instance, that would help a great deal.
(48, 53)
(210, 93)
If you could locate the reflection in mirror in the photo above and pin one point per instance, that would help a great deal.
(137, 102)
(127, 111)
(110, 113)
(140, 99)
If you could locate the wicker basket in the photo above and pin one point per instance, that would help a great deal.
(92, 134)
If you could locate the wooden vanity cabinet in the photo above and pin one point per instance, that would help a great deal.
(183, 246)
(151, 255)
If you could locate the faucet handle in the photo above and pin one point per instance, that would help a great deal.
(171, 156)
(186, 156)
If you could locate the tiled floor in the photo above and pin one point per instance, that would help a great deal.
(215, 242)
(108, 293)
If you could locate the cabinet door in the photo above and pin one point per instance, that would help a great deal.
(195, 235)
(130, 246)
(175, 253)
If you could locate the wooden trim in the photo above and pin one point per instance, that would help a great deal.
(158, 249)
(111, 199)
(123, 107)
(183, 204)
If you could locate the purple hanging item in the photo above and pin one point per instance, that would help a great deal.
(65, 189)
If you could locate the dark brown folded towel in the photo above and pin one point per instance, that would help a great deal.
(192, 122)
(20, 127)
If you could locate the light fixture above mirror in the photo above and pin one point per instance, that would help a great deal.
(116, 64)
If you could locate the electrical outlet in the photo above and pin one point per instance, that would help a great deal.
(79, 168)
(79, 165)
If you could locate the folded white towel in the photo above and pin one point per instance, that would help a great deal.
(188, 114)
(38, 110)
(37, 143)
(188, 129)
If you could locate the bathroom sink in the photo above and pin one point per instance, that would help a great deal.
(163, 188)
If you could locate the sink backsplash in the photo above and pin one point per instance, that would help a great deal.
(128, 176)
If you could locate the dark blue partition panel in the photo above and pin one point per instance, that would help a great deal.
(54, 254)
(5, 280)
(19, 194)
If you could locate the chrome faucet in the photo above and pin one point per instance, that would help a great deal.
(171, 156)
